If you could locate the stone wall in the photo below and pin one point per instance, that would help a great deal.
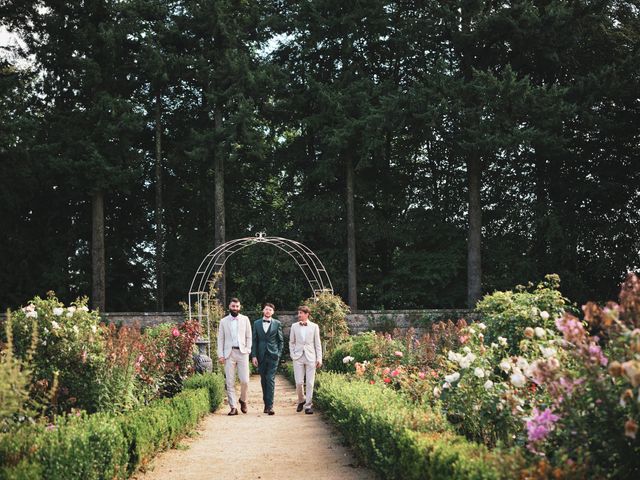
(360, 321)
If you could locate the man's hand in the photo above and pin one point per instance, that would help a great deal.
(221, 359)
(255, 362)
(318, 364)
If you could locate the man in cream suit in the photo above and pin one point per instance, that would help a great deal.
(234, 347)
(306, 353)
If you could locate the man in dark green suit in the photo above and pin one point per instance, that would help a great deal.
(266, 350)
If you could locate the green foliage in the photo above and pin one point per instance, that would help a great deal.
(213, 382)
(365, 346)
(330, 312)
(15, 381)
(508, 313)
(400, 440)
(106, 446)
(69, 350)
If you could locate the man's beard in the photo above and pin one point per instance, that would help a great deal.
(234, 314)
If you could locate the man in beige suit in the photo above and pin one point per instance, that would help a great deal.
(306, 353)
(234, 347)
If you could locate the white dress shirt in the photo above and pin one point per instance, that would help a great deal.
(234, 332)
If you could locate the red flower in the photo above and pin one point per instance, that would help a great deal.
(387, 380)
(372, 382)
(175, 332)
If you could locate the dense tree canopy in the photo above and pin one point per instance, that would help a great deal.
(434, 151)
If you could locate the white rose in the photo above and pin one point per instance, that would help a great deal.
(481, 326)
(454, 377)
(517, 379)
(502, 341)
(347, 359)
(94, 329)
(522, 363)
(71, 309)
(453, 356)
(69, 314)
(478, 372)
(32, 314)
(472, 331)
(488, 385)
(84, 308)
(505, 365)
(58, 311)
(547, 352)
(540, 332)
(544, 315)
(436, 392)
(55, 325)
(494, 345)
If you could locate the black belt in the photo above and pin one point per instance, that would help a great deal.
(237, 348)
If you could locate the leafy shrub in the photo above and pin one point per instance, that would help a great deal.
(213, 382)
(330, 312)
(177, 342)
(16, 405)
(507, 314)
(70, 348)
(398, 439)
(363, 347)
(105, 446)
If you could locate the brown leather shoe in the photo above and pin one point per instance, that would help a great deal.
(243, 406)
(300, 407)
(234, 411)
(266, 409)
(270, 411)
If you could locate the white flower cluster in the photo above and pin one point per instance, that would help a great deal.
(348, 359)
(464, 361)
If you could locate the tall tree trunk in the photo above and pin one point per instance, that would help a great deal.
(159, 209)
(351, 237)
(219, 216)
(97, 252)
(474, 241)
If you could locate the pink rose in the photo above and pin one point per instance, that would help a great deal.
(398, 353)
(421, 375)
(175, 332)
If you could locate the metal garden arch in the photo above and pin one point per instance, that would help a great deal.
(214, 262)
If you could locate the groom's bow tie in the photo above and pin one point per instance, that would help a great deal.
(303, 324)
(266, 321)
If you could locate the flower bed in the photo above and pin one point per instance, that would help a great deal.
(559, 392)
(103, 445)
(398, 439)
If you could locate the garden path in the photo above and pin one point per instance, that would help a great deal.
(284, 446)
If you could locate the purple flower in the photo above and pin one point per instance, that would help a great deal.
(540, 424)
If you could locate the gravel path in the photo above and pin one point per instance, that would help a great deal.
(284, 446)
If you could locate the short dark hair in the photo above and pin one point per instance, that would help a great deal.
(269, 305)
(304, 308)
(234, 300)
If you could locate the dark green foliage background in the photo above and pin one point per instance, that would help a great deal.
(545, 92)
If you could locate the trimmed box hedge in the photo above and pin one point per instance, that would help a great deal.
(105, 446)
(400, 440)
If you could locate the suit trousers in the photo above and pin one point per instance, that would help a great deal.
(238, 360)
(303, 367)
(267, 369)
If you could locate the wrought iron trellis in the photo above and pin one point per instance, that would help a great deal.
(213, 263)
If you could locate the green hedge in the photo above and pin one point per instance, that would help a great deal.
(104, 446)
(399, 439)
